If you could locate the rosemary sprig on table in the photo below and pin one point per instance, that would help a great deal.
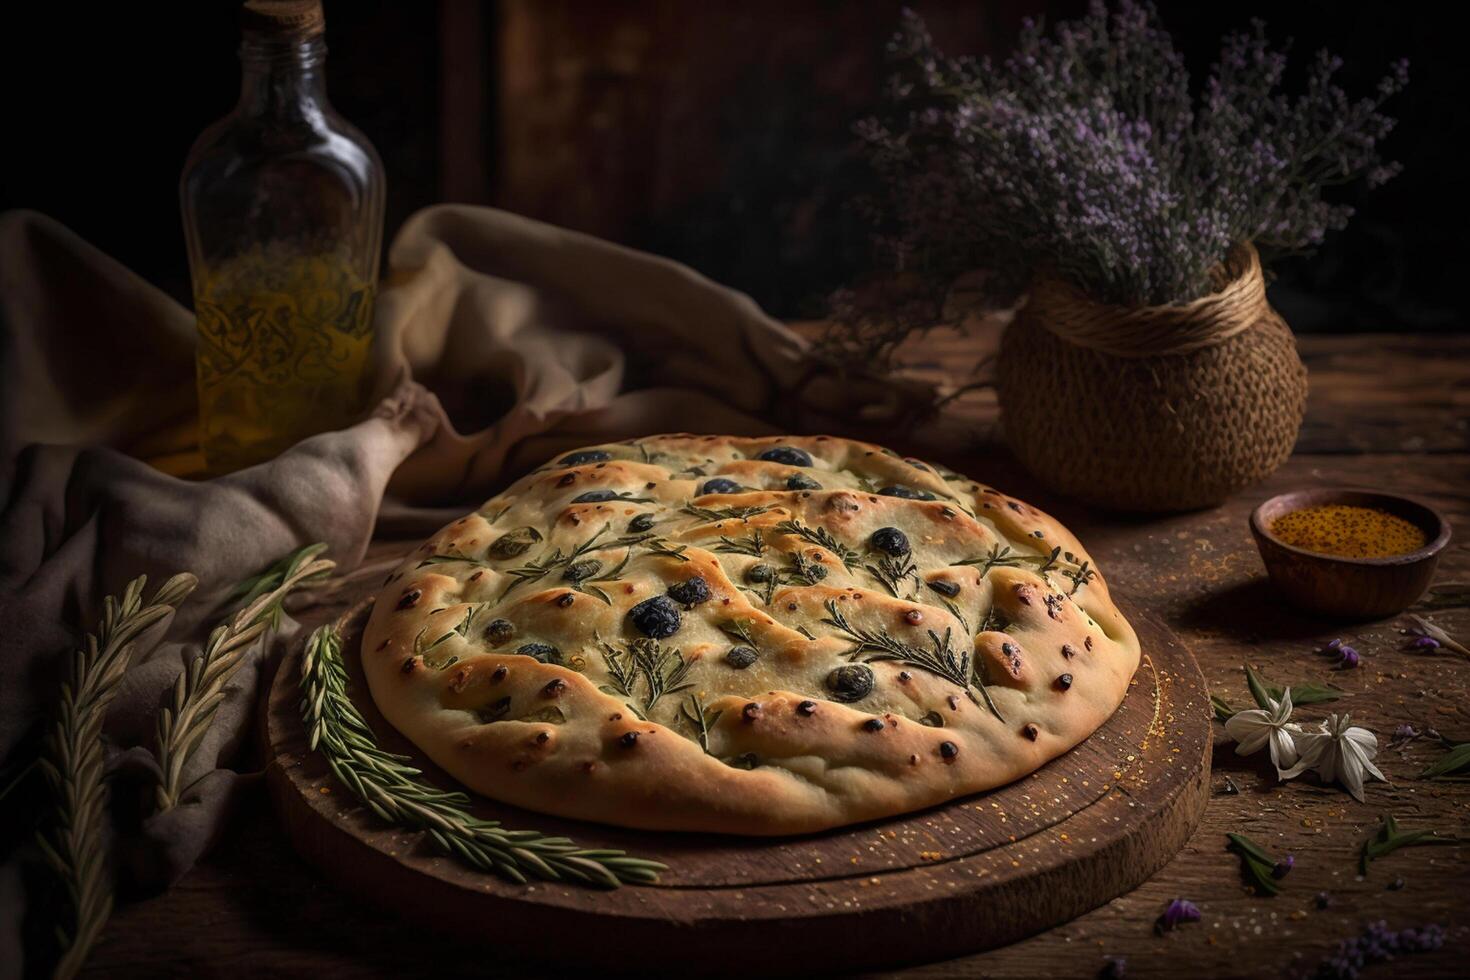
(392, 789)
(200, 687)
(1256, 866)
(1388, 838)
(72, 761)
(940, 659)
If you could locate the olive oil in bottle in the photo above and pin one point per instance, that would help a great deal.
(283, 214)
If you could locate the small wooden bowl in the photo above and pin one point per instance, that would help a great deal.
(1350, 588)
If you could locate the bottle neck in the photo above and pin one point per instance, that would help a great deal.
(283, 77)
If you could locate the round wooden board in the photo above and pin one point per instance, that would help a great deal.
(972, 874)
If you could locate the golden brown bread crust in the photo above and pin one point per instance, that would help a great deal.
(850, 677)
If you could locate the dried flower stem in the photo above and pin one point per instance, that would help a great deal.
(200, 688)
(72, 761)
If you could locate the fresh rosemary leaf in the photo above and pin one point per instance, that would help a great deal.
(893, 572)
(72, 840)
(713, 515)
(1223, 710)
(738, 629)
(1256, 866)
(1453, 763)
(1257, 688)
(701, 718)
(392, 789)
(820, 537)
(1389, 838)
(199, 688)
(1303, 693)
(751, 545)
(662, 671)
(940, 658)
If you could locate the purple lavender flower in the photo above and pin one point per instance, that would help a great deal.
(1178, 911)
(1087, 153)
(1347, 658)
(1283, 867)
(1424, 643)
(1405, 732)
(1333, 646)
(1374, 944)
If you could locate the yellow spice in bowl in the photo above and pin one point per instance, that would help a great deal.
(1348, 531)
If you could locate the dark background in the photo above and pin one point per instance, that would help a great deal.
(713, 133)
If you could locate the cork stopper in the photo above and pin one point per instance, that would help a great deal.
(287, 18)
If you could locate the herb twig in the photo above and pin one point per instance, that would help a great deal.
(663, 671)
(752, 545)
(940, 659)
(200, 686)
(1452, 766)
(893, 573)
(1257, 866)
(713, 515)
(72, 761)
(701, 718)
(820, 537)
(1388, 838)
(390, 786)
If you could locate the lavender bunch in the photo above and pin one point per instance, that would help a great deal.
(1086, 156)
(1374, 944)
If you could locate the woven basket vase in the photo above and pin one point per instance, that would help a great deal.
(1156, 408)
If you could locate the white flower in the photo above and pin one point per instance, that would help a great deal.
(1339, 752)
(1258, 727)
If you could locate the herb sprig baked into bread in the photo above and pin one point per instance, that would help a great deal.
(754, 636)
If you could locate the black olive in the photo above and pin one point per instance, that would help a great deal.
(595, 496)
(807, 708)
(690, 592)
(544, 652)
(873, 725)
(850, 682)
(629, 739)
(787, 455)
(907, 493)
(1069, 651)
(409, 599)
(500, 631)
(554, 687)
(946, 588)
(720, 485)
(641, 523)
(800, 481)
(933, 719)
(579, 570)
(890, 540)
(1065, 681)
(1031, 732)
(585, 456)
(759, 573)
(751, 711)
(741, 657)
(565, 600)
(948, 750)
(513, 543)
(657, 617)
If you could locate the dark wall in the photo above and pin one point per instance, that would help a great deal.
(715, 133)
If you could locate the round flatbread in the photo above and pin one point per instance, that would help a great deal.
(753, 636)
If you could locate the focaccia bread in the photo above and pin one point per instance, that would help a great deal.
(753, 636)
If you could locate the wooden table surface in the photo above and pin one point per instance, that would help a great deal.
(1385, 412)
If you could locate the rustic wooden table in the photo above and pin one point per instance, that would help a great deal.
(1385, 412)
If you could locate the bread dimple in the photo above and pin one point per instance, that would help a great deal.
(757, 636)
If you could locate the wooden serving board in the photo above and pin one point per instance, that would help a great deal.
(972, 874)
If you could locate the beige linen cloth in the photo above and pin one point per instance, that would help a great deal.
(501, 342)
